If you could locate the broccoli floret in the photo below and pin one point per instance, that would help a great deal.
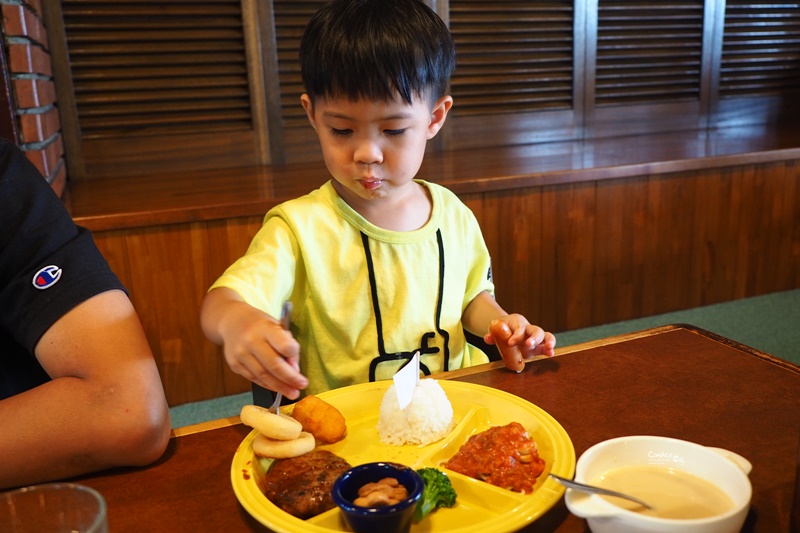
(438, 492)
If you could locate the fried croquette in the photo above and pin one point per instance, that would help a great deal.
(320, 418)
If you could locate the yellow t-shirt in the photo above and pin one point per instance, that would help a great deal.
(335, 266)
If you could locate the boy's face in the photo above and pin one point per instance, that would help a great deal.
(374, 149)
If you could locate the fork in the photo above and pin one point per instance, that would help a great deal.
(286, 312)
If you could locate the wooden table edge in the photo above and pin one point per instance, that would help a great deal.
(205, 426)
(623, 337)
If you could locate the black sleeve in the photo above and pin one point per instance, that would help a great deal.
(48, 265)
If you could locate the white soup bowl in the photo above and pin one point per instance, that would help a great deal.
(722, 468)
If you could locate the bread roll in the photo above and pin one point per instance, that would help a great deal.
(283, 449)
(277, 427)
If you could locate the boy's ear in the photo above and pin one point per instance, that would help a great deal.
(439, 114)
(305, 100)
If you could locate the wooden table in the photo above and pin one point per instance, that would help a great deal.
(675, 381)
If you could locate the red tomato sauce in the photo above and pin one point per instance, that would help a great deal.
(504, 456)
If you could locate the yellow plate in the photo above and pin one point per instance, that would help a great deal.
(480, 507)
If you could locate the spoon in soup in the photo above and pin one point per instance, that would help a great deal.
(597, 490)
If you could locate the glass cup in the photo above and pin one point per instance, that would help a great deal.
(54, 508)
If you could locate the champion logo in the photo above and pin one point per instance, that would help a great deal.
(46, 277)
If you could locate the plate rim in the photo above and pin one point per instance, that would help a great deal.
(553, 492)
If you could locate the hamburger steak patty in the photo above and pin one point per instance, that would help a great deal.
(301, 486)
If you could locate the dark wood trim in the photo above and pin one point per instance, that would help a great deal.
(62, 77)
(8, 117)
(269, 60)
(587, 47)
(253, 25)
(177, 197)
(615, 339)
(280, 134)
(783, 363)
(714, 14)
(579, 234)
(582, 53)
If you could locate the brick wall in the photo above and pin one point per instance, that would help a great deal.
(32, 90)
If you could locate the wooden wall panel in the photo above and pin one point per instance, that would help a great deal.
(169, 278)
(228, 240)
(718, 238)
(668, 246)
(569, 212)
(620, 250)
(789, 273)
(113, 247)
(769, 230)
(758, 271)
(567, 256)
(756, 214)
(512, 225)
(167, 271)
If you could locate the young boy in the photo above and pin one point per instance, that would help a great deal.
(378, 264)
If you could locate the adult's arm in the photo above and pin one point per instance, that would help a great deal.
(104, 407)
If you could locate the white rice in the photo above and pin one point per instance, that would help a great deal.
(428, 418)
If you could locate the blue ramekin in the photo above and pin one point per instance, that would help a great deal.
(389, 519)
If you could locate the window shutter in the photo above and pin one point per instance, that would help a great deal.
(647, 74)
(514, 81)
(160, 85)
(648, 52)
(157, 67)
(513, 78)
(291, 18)
(761, 48)
(513, 57)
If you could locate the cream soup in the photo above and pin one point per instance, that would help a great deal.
(671, 493)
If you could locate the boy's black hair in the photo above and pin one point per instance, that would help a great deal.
(375, 49)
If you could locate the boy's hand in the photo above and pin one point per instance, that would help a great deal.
(518, 340)
(258, 348)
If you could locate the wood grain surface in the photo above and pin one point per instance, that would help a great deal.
(580, 235)
(674, 381)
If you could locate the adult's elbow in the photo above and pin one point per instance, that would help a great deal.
(144, 437)
(154, 437)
